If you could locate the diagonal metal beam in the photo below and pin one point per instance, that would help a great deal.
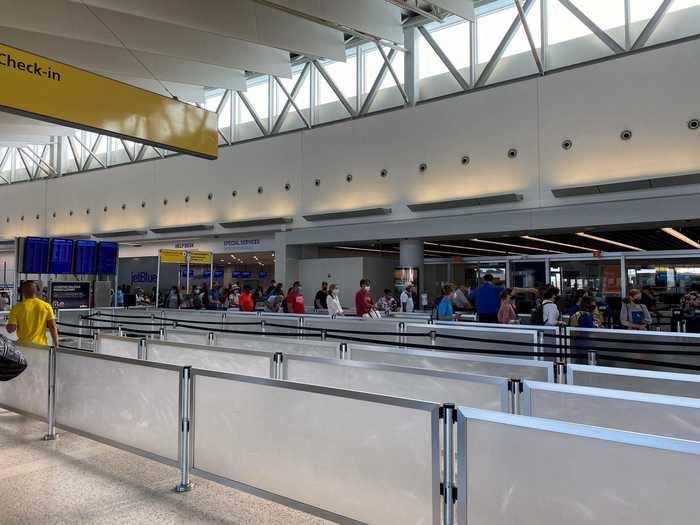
(5, 156)
(141, 153)
(496, 58)
(344, 101)
(444, 58)
(290, 100)
(253, 113)
(126, 150)
(393, 73)
(528, 34)
(590, 24)
(222, 102)
(40, 162)
(91, 154)
(651, 25)
(75, 153)
(24, 161)
(377, 82)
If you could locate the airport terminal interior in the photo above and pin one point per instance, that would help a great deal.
(380, 262)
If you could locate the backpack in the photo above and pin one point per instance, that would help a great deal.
(537, 317)
(12, 361)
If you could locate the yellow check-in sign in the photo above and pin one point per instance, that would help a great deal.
(173, 256)
(201, 257)
(41, 88)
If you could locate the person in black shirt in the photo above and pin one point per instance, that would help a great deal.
(321, 300)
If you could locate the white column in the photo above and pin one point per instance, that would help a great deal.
(411, 256)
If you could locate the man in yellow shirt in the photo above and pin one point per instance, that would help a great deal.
(31, 317)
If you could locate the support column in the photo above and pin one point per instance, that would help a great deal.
(410, 38)
(286, 261)
(411, 256)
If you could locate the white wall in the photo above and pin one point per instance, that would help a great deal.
(653, 93)
(346, 272)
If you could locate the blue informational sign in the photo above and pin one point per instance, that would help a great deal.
(36, 255)
(107, 253)
(85, 257)
(262, 275)
(61, 261)
(246, 275)
(236, 275)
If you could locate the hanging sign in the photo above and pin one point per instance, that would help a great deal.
(41, 88)
(200, 257)
(173, 256)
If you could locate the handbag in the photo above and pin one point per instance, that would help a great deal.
(12, 361)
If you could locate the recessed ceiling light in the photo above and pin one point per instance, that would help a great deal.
(678, 235)
(520, 246)
(609, 241)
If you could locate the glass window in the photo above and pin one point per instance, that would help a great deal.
(344, 76)
(667, 279)
(601, 278)
(527, 274)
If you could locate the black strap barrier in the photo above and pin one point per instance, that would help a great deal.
(243, 323)
(134, 330)
(611, 340)
(69, 334)
(243, 332)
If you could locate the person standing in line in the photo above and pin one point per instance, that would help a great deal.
(321, 299)
(270, 288)
(633, 314)
(460, 301)
(246, 301)
(364, 304)
(550, 310)
(487, 299)
(507, 313)
(334, 307)
(445, 309)
(31, 317)
(406, 299)
(387, 303)
(587, 315)
(295, 299)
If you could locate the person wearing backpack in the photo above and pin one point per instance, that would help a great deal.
(547, 314)
(587, 316)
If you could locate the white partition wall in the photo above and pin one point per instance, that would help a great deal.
(676, 417)
(345, 456)
(412, 383)
(493, 338)
(452, 361)
(246, 362)
(377, 330)
(529, 471)
(118, 346)
(132, 404)
(28, 393)
(278, 344)
(183, 336)
(648, 381)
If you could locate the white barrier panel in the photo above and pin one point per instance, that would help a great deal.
(181, 336)
(648, 381)
(676, 417)
(29, 391)
(279, 344)
(244, 362)
(118, 346)
(475, 364)
(132, 404)
(526, 340)
(342, 455)
(411, 383)
(366, 329)
(529, 471)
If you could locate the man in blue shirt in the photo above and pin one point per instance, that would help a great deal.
(487, 299)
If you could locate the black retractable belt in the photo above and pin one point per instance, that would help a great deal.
(12, 361)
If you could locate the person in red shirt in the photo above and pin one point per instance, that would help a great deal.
(246, 302)
(295, 299)
(364, 304)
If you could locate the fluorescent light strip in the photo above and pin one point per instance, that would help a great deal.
(355, 249)
(678, 235)
(520, 246)
(500, 252)
(454, 254)
(614, 243)
(559, 243)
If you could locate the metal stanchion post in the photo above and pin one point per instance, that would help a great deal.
(324, 334)
(262, 326)
(120, 332)
(278, 361)
(210, 338)
(343, 349)
(560, 372)
(142, 349)
(184, 438)
(448, 489)
(515, 388)
(96, 342)
(433, 337)
(301, 328)
(402, 331)
(51, 412)
(161, 334)
(592, 358)
(80, 331)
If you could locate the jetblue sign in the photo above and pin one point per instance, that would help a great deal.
(143, 277)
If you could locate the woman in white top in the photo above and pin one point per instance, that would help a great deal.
(334, 308)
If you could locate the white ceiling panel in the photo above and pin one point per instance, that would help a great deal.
(372, 17)
(461, 8)
(18, 130)
(119, 61)
(241, 19)
(73, 20)
(184, 92)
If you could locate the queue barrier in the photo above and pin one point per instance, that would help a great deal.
(491, 338)
(670, 416)
(647, 381)
(600, 476)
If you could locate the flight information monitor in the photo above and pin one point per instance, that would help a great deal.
(85, 257)
(107, 253)
(36, 255)
(61, 256)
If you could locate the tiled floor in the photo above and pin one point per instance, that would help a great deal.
(78, 481)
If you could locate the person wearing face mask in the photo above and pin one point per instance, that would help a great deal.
(295, 299)
(333, 301)
(407, 303)
(634, 315)
(506, 312)
(445, 310)
(364, 304)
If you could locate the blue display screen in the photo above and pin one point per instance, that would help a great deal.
(36, 255)
(85, 257)
(246, 275)
(107, 258)
(236, 275)
(61, 256)
(262, 275)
